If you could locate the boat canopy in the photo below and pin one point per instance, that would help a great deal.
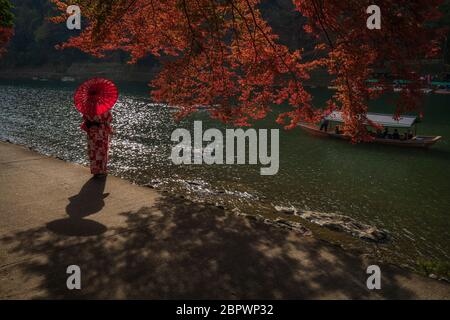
(439, 83)
(386, 120)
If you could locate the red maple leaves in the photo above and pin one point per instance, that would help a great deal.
(224, 55)
(5, 35)
(354, 52)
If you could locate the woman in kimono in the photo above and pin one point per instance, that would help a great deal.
(94, 99)
(98, 129)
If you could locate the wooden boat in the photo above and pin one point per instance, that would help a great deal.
(423, 90)
(387, 121)
(441, 87)
(442, 91)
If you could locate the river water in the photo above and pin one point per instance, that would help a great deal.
(406, 192)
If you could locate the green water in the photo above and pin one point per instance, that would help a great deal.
(406, 192)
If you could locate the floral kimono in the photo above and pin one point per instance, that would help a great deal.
(98, 129)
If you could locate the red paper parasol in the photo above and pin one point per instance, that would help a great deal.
(96, 96)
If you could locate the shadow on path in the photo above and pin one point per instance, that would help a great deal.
(181, 250)
(88, 201)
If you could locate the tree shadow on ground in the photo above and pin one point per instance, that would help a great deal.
(181, 250)
(88, 201)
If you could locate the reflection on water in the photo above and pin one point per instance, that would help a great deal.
(404, 191)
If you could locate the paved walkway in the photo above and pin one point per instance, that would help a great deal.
(133, 242)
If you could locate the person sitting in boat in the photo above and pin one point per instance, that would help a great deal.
(409, 135)
(396, 135)
(386, 133)
(371, 133)
(379, 134)
(324, 124)
(337, 130)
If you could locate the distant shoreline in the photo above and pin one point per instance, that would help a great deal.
(80, 72)
(144, 74)
(114, 71)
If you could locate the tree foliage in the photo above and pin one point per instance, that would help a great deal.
(225, 55)
(444, 23)
(354, 51)
(6, 24)
(34, 40)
